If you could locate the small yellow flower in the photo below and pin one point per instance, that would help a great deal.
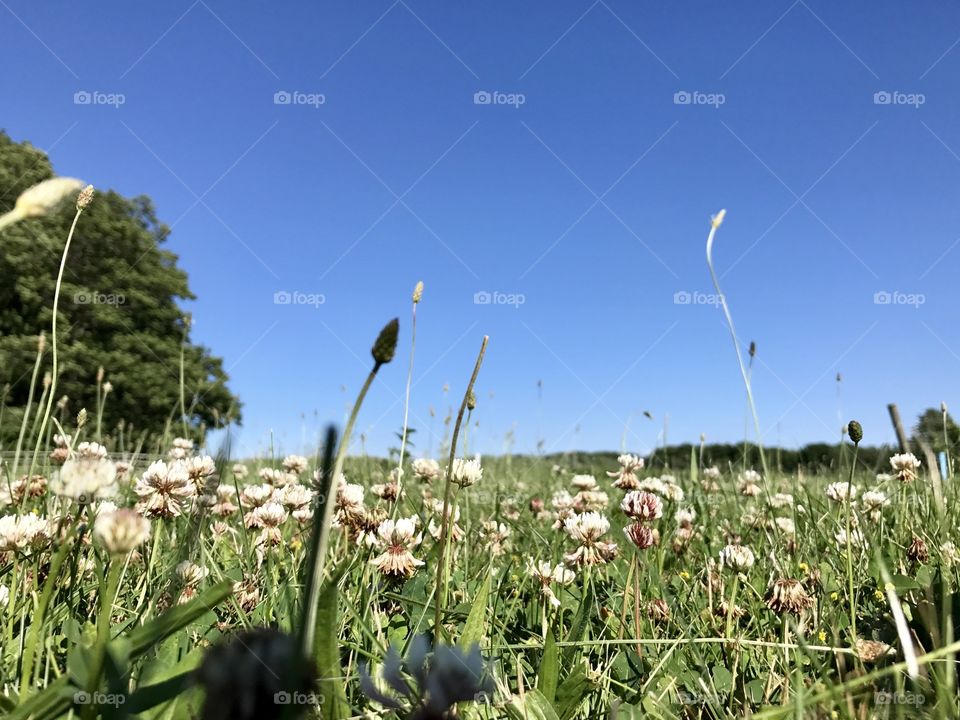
(822, 635)
(834, 596)
(804, 567)
(878, 594)
(684, 575)
(889, 586)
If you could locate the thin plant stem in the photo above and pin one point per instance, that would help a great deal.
(322, 536)
(438, 596)
(56, 367)
(406, 401)
(852, 598)
(27, 409)
(715, 223)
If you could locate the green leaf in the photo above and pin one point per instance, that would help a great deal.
(903, 583)
(151, 696)
(571, 693)
(476, 623)
(549, 673)
(533, 706)
(327, 652)
(581, 623)
(157, 630)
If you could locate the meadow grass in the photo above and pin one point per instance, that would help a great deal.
(160, 581)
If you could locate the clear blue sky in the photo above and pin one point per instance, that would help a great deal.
(591, 199)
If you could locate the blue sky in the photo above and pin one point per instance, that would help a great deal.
(584, 186)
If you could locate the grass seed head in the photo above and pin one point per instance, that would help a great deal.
(386, 344)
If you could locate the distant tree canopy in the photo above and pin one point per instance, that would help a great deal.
(938, 434)
(118, 310)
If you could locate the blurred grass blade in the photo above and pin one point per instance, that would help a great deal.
(549, 673)
(475, 626)
(150, 635)
(327, 653)
(532, 706)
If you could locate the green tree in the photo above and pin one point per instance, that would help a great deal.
(930, 427)
(118, 310)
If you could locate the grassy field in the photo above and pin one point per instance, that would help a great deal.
(170, 580)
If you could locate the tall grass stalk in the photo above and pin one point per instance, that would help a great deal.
(41, 342)
(439, 596)
(383, 350)
(848, 509)
(714, 224)
(55, 357)
(417, 295)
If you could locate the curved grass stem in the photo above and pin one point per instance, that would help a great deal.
(439, 596)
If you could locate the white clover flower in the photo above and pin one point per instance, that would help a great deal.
(874, 500)
(905, 465)
(191, 574)
(562, 500)
(426, 469)
(673, 492)
(781, 500)
(23, 533)
(399, 538)
(685, 517)
(590, 501)
(466, 472)
(587, 529)
(86, 479)
(164, 489)
(240, 471)
(737, 557)
(269, 517)
(295, 464)
(92, 450)
(253, 496)
(584, 482)
(786, 526)
(950, 554)
(294, 496)
(857, 538)
(626, 476)
(641, 505)
(654, 485)
(712, 473)
(546, 575)
(837, 491)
